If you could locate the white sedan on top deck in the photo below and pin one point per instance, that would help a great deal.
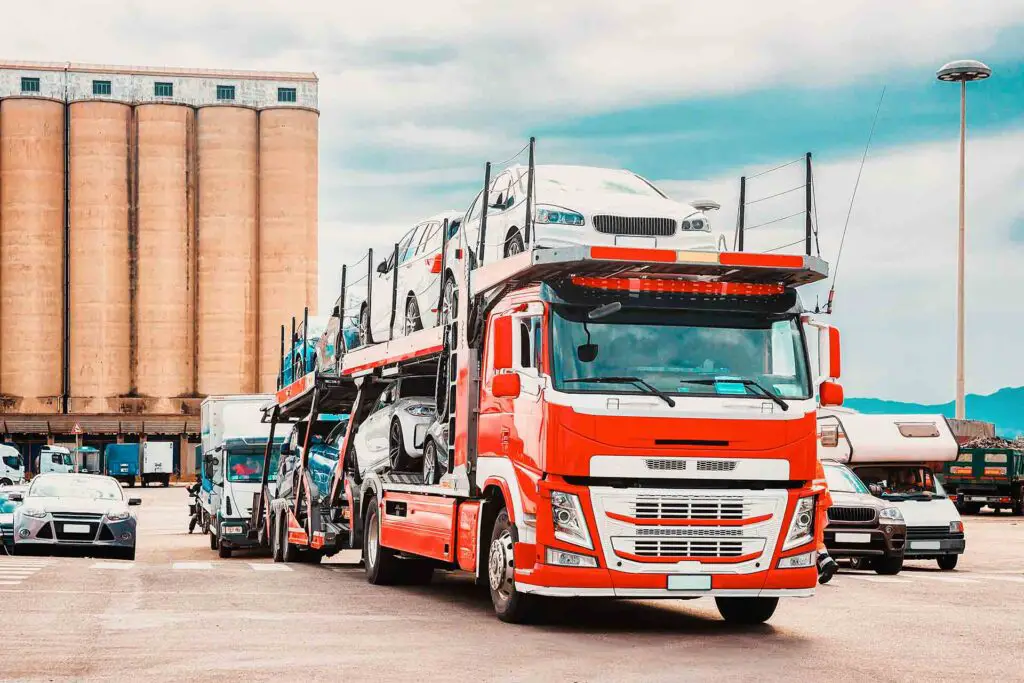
(582, 205)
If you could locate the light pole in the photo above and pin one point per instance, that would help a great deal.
(961, 72)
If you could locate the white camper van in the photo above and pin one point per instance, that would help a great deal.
(897, 456)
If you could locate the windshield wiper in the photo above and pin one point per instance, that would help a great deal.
(744, 381)
(635, 381)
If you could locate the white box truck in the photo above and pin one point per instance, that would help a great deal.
(234, 439)
(157, 462)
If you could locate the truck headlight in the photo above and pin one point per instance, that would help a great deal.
(37, 513)
(559, 216)
(891, 514)
(956, 527)
(570, 524)
(801, 561)
(563, 558)
(801, 527)
(117, 516)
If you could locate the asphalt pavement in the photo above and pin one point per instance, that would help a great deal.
(180, 613)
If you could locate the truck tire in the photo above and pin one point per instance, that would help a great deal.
(167, 480)
(5, 482)
(275, 538)
(971, 508)
(381, 563)
(1018, 503)
(887, 566)
(947, 562)
(746, 611)
(223, 550)
(213, 539)
(289, 553)
(510, 605)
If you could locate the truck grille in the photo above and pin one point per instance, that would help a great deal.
(919, 532)
(687, 547)
(642, 227)
(840, 514)
(669, 531)
(716, 465)
(665, 464)
(658, 507)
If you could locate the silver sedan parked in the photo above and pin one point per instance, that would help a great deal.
(84, 511)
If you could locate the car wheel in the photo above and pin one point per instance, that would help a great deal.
(948, 562)
(126, 554)
(746, 611)
(412, 316)
(857, 563)
(514, 244)
(365, 335)
(449, 300)
(509, 604)
(888, 566)
(430, 469)
(396, 448)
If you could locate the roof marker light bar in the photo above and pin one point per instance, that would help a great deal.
(678, 286)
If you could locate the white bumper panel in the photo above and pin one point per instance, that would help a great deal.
(662, 467)
(648, 593)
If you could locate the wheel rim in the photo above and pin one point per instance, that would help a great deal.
(410, 317)
(395, 447)
(429, 458)
(364, 327)
(513, 246)
(372, 544)
(500, 566)
(447, 302)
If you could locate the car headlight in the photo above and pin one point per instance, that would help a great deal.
(117, 516)
(956, 527)
(34, 512)
(891, 514)
(694, 224)
(801, 527)
(554, 214)
(421, 411)
(567, 515)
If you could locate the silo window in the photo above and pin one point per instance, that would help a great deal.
(101, 87)
(163, 89)
(286, 95)
(225, 92)
(29, 85)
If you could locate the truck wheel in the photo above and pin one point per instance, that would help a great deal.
(167, 480)
(510, 605)
(746, 611)
(131, 483)
(888, 566)
(381, 563)
(5, 482)
(972, 508)
(223, 550)
(275, 538)
(289, 553)
(1018, 504)
(948, 562)
(213, 540)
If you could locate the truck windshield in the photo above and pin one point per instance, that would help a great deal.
(246, 466)
(679, 352)
(13, 461)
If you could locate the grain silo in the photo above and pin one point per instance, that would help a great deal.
(288, 204)
(100, 290)
(165, 287)
(228, 144)
(31, 253)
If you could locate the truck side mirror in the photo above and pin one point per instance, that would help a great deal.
(506, 385)
(502, 343)
(382, 267)
(831, 394)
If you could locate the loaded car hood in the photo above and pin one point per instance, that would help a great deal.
(616, 204)
(87, 505)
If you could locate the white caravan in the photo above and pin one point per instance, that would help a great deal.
(897, 456)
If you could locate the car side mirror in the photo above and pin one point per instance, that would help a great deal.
(382, 267)
(876, 490)
(15, 497)
(506, 385)
(135, 501)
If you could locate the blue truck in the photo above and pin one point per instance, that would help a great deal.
(121, 461)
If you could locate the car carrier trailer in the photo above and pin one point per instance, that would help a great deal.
(553, 492)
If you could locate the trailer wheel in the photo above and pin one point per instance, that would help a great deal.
(167, 480)
(381, 563)
(948, 562)
(509, 604)
(275, 538)
(213, 539)
(746, 611)
(289, 553)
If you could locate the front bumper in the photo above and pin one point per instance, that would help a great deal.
(879, 543)
(954, 544)
(63, 532)
(235, 533)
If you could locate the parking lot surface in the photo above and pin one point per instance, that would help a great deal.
(180, 613)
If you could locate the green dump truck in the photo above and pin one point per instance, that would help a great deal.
(987, 476)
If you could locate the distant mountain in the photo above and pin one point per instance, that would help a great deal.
(1005, 408)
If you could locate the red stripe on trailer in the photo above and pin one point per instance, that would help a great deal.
(295, 388)
(398, 358)
(633, 254)
(419, 524)
(738, 258)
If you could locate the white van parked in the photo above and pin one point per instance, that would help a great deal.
(12, 467)
(897, 456)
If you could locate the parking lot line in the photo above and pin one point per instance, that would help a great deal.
(192, 565)
(1000, 577)
(112, 565)
(269, 567)
(947, 579)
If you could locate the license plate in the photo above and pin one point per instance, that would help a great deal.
(977, 499)
(924, 545)
(689, 583)
(232, 529)
(852, 538)
(76, 528)
(124, 468)
(640, 242)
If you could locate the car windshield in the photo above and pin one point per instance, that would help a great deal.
(908, 481)
(89, 487)
(583, 179)
(13, 461)
(842, 480)
(417, 387)
(677, 352)
(246, 465)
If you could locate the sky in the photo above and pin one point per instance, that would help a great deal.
(415, 97)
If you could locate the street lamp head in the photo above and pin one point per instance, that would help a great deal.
(963, 70)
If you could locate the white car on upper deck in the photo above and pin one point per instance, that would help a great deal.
(583, 205)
